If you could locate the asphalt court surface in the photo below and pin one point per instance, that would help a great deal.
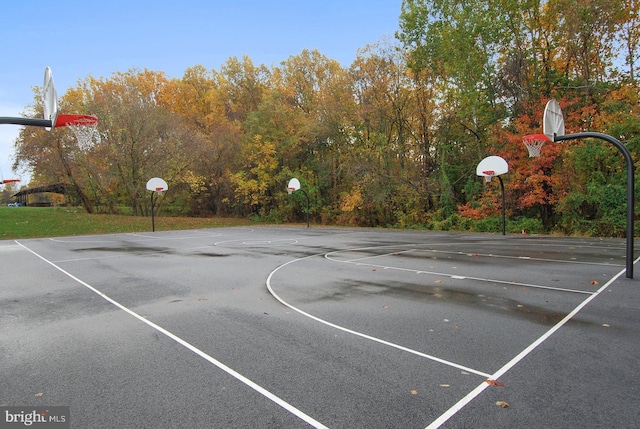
(294, 327)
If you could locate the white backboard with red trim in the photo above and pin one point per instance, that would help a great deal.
(156, 184)
(492, 166)
(294, 185)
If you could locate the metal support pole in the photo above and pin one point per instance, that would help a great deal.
(306, 195)
(504, 218)
(630, 186)
(153, 222)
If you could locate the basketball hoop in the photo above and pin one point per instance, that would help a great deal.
(159, 191)
(534, 143)
(291, 190)
(488, 174)
(84, 127)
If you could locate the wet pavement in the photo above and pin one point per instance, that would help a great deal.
(293, 327)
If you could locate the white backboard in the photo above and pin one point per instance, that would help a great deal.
(294, 185)
(157, 184)
(553, 120)
(492, 166)
(49, 98)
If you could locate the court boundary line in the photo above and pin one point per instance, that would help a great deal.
(256, 387)
(443, 418)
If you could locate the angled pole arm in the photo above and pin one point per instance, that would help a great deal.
(25, 121)
(630, 185)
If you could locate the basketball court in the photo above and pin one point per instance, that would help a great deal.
(293, 327)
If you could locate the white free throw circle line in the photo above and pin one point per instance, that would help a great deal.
(360, 334)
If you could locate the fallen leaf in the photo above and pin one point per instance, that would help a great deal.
(445, 385)
(454, 326)
(39, 394)
(414, 392)
(385, 306)
(502, 404)
(595, 282)
(606, 325)
(494, 382)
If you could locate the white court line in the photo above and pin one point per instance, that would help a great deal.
(180, 237)
(528, 258)
(513, 362)
(256, 242)
(456, 276)
(138, 235)
(290, 408)
(484, 255)
(360, 334)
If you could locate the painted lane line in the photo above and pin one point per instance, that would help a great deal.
(513, 362)
(377, 256)
(360, 334)
(272, 397)
(137, 235)
(179, 237)
(480, 279)
(493, 255)
(421, 248)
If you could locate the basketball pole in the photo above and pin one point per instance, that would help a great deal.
(306, 195)
(630, 186)
(504, 218)
(153, 222)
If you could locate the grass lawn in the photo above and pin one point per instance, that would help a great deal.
(31, 222)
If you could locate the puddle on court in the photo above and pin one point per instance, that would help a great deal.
(126, 249)
(141, 250)
(437, 294)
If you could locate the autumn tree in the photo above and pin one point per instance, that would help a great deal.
(142, 139)
(52, 156)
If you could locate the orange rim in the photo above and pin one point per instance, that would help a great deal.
(536, 137)
(75, 119)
